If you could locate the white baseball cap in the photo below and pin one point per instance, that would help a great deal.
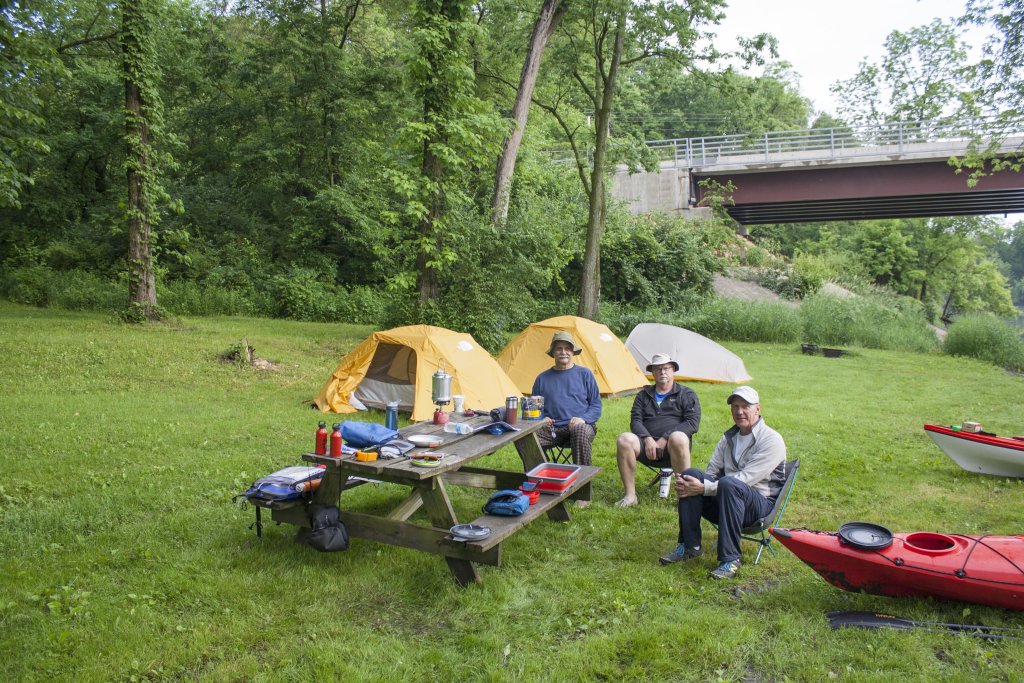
(748, 394)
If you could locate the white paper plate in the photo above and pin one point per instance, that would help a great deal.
(426, 440)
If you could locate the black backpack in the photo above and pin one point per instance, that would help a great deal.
(327, 533)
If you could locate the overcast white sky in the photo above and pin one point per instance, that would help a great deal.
(826, 40)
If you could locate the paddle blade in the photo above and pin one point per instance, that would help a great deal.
(852, 619)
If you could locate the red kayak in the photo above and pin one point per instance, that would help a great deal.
(980, 451)
(987, 570)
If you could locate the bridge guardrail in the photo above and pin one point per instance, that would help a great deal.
(820, 144)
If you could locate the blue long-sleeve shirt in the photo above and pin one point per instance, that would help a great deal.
(569, 393)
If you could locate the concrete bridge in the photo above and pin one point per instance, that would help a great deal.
(894, 171)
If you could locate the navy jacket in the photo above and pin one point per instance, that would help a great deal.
(678, 412)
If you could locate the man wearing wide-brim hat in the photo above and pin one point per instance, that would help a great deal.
(572, 401)
(664, 418)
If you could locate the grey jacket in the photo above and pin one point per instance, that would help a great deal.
(762, 466)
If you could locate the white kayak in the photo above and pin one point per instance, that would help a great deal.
(979, 451)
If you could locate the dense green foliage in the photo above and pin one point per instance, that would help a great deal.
(122, 556)
(333, 161)
(987, 338)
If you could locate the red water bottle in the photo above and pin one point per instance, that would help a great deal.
(321, 439)
(336, 442)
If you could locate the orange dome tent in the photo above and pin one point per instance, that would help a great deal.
(397, 365)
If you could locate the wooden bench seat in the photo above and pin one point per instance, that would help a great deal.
(502, 527)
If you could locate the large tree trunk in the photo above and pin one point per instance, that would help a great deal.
(141, 281)
(551, 13)
(427, 280)
(590, 283)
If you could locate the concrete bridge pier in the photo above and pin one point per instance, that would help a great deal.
(668, 191)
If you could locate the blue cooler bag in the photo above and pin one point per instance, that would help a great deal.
(287, 484)
(508, 503)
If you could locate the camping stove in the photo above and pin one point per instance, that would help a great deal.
(441, 394)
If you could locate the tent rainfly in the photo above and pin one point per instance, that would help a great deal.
(398, 364)
(604, 354)
(699, 358)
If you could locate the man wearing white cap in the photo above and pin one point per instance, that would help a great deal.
(662, 423)
(745, 474)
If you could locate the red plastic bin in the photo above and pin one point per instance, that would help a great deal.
(553, 477)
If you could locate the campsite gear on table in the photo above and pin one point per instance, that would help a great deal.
(469, 532)
(321, 439)
(981, 452)
(366, 456)
(336, 441)
(427, 459)
(391, 417)
(498, 428)
(327, 533)
(441, 394)
(698, 357)
(395, 448)
(366, 434)
(666, 482)
(853, 619)
(604, 354)
(458, 404)
(988, 570)
(507, 503)
(458, 428)
(397, 364)
(426, 440)
(533, 407)
(511, 409)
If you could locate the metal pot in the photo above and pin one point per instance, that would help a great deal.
(441, 386)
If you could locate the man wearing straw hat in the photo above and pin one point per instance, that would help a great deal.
(572, 401)
(664, 418)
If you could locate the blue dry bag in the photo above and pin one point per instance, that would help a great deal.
(508, 503)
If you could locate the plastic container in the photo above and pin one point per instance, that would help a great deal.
(458, 428)
(553, 477)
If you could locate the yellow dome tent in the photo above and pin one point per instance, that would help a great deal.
(398, 364)
(604, 354)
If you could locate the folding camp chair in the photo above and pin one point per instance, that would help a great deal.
(762, 525)
(561, 454)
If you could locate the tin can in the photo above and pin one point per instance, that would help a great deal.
(511, 409)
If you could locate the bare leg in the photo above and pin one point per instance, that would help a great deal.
(679, 451)
(627, 448)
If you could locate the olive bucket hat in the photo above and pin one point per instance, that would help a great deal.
(563, 336)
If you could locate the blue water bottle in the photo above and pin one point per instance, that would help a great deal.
(391, 417)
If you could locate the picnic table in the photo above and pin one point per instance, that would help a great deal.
(429, 491)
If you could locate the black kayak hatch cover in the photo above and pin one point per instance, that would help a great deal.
(865, 535)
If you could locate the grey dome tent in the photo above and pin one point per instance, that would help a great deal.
(699, 358)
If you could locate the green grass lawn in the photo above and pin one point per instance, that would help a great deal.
(123, 557)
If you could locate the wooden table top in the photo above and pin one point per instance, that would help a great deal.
(458, 449)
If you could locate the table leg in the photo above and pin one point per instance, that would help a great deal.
(530, 451)
(439, 508)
